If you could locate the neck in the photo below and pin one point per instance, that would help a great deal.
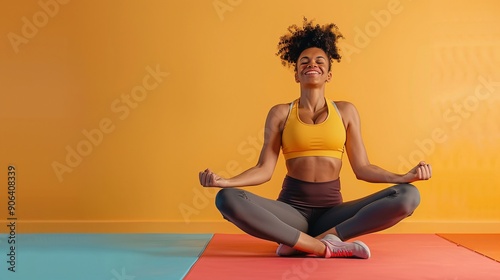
(312, 98)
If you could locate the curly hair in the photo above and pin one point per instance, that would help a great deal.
(298, 39)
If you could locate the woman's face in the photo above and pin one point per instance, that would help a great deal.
(313, 67)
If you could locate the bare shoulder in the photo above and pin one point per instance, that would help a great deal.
(279, 111)
(278, 115)
(347, 109)
(283, 108)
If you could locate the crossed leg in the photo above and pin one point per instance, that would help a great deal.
(277, 221)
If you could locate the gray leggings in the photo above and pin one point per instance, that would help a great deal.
(281, 222)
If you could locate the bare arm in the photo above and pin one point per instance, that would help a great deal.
(263, 170)
(358, 157)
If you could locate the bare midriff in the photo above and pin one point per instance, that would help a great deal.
(314, 169)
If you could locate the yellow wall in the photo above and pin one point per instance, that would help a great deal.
(151, 92)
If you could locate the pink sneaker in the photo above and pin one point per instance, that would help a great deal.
(287, 251)
(335, 248)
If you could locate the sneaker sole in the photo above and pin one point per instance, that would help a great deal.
(360, 243)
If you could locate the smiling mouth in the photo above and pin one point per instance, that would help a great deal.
(312, 72)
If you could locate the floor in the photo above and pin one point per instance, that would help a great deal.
(239, 256)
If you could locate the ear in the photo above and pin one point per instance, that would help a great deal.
(328, 77)
(297, 77)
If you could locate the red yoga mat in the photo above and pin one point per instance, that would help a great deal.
(394, 256)
(485, 244)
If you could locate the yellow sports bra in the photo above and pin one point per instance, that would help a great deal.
(326, 139)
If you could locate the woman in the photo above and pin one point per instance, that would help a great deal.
(309, 216)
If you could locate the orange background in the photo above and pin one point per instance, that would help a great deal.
(76, 77)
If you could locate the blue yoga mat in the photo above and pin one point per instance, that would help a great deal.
(101, 256)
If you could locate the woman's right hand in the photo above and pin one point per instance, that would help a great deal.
(210, 179)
